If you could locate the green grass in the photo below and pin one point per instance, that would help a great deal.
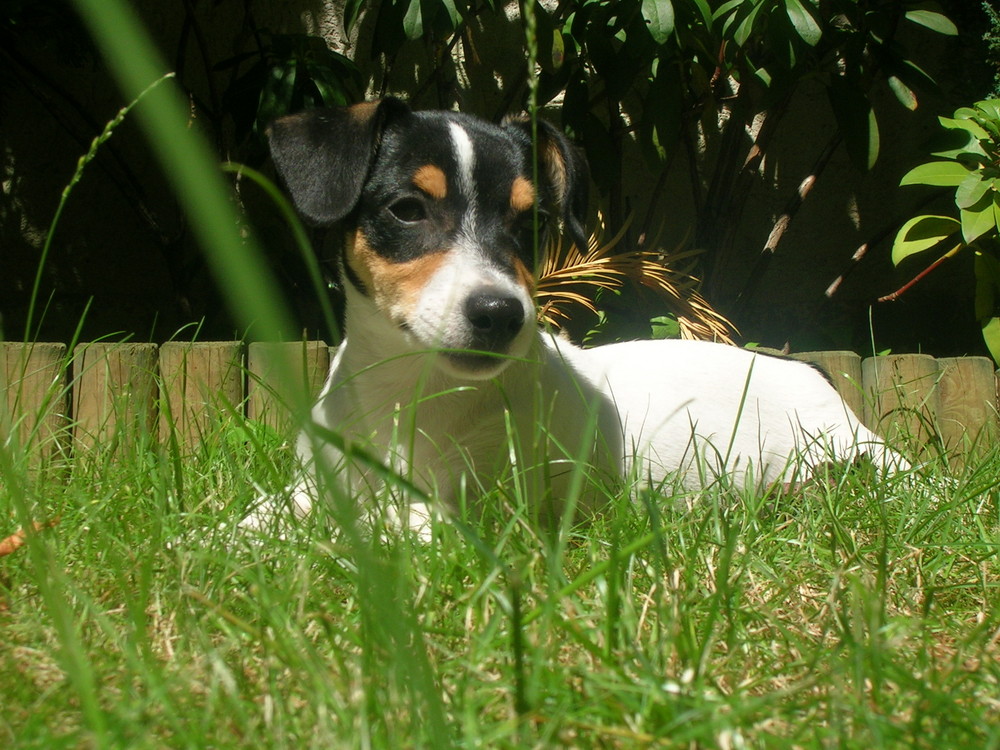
(847, 614)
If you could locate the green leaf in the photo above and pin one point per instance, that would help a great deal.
(922, 233)
(277, 94)
(745, 29)
(662, 113)
(990, 108)
(659, 17)
(972, 189)
(903, 93)
(665, 327)
(331, 94)
(389, 32)
(954, 144)
(978, 219)
(970, 126)
(991, 335)
(906, 70)
(991, 125)
(352, 9)
(725, 8)
(803, 22)
(706, 12)
(764, 76)
(933, 20)
(938, 173)
(453, 14)
(856, 120)
(558, 56)
(413, 21)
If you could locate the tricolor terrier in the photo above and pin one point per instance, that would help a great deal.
(444, 374)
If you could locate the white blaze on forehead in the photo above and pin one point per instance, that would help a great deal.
(465, 155)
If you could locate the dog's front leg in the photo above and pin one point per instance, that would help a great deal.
(317, 469)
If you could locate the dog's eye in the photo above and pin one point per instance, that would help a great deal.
(408, 210)
(527, 224)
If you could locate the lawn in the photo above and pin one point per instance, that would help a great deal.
(849, 613)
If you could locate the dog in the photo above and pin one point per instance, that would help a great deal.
(444, 376)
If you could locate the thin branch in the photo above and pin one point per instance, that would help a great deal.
(875, 239)
(191, 19)
(125, 179)
(913, 282)
(784, 220)
(856, 258)
(439, 52)
(654, 198)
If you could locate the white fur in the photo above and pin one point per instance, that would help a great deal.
(550, 410)
(713, 412)
(646, 409)
(465, 155)
(437, 320)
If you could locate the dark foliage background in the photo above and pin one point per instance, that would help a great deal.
(681, 154)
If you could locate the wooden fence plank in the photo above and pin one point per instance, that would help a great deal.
(278, 375)
(901, 402)
(967, 404)
(114, 392)
(200, 382)
(36, 398)
(844, 370)
(908, 398)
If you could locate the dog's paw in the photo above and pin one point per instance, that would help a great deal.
(416, 518)
(272, 515)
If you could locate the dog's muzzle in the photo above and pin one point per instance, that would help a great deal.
(494, 319)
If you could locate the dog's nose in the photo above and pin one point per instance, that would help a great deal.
(496, 319)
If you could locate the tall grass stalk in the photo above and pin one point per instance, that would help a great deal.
(191, 167)
(81, 165)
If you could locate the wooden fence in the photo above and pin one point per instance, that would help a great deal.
(179, 390)
(105, 391)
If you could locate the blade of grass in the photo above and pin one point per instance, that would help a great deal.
(250, 292)
(299, 233)
(81, 165)
(52, 586)
(191, 167)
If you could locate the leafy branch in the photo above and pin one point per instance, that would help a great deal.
(969, 163)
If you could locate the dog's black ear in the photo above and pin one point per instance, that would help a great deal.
(324, 155)
(564, 173)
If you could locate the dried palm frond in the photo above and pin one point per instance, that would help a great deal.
(570, 277)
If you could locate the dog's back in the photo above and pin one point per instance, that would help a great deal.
(718, 412)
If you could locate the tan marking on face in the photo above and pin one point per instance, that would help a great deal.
(394, 287)
(524, 277)
(356, 255)
(555, 167)
(522, 194)
(431, 180)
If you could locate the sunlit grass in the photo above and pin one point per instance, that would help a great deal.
(848, 613)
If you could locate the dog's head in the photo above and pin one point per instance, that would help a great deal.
(440, 214)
